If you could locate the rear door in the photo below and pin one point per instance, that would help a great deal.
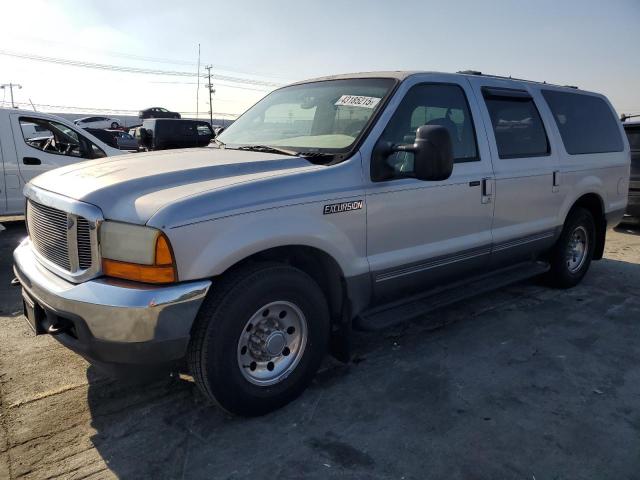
(527, 199)
(56, 145)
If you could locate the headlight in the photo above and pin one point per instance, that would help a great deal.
(138, 253)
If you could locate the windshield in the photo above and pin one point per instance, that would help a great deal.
(326, 116)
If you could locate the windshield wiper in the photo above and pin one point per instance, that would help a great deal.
(267, 149)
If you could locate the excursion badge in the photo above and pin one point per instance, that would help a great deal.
(342, 207)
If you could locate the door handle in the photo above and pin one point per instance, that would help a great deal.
(31, 161)
(487, 190)
(556, 181)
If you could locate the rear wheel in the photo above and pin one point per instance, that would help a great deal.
(259, 338)
(572, 254)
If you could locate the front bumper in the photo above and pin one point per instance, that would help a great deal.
(112, 323)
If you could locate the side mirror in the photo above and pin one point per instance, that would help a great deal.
(432, 153)
(217, 131)
(432, 156)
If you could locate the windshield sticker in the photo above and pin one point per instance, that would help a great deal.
(357, 101)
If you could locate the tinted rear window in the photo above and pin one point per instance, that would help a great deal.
(517, 126)
(586, 123)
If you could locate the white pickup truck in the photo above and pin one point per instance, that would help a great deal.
(32, 143)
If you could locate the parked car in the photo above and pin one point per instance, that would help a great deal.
(107, 136)
(32, 143)
(165, 133)
(157, 112)
(632, 130)
(116, 138)
(354, 200)
(97, 122)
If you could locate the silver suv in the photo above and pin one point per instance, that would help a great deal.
(355, 200)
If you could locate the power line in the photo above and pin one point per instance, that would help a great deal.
(122, 111)
(144, 58)
(171, 82)
(138, 70)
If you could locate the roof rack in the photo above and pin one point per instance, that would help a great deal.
(477, 73)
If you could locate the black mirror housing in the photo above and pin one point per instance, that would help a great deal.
(433, 153)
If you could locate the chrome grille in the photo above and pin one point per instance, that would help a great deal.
(64, 241)
(48, 231)
(84, 243)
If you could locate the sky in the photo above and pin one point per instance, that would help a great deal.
(257, 45)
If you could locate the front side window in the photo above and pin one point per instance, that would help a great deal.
(586, 123)
(56, 138)
(517, 125)
(429, 104)
(323, 117)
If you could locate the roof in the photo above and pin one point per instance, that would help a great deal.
(404, 74)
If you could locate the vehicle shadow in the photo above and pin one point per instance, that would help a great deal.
(631, 227)
(513, 360)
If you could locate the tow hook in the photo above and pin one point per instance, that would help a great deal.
(15, 282)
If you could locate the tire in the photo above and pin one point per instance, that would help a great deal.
(114, 125)
(567, 269)
(243, 381)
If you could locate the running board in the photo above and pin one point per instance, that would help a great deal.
(408, 308)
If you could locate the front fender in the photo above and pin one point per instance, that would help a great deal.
(207, 249)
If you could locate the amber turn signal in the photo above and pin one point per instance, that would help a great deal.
(162, 271)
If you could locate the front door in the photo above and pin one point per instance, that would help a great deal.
(421, 234)
(42, 144)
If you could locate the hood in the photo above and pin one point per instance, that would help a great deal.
(133, 187)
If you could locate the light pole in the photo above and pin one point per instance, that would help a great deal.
(11, 86)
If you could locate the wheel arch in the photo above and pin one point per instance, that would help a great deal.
(325, 270)
(316, 263)
(594, 203)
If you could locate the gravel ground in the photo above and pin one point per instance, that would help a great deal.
(523, 383)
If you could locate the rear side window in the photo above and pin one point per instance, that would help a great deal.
(586, 123)
(516, 124)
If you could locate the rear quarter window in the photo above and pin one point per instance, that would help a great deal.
(586, 123)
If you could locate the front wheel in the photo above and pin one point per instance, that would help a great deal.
(572, 254)
(259, 338)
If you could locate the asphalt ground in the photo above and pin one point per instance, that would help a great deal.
(526, 382)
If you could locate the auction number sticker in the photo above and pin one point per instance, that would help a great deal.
(358, 101)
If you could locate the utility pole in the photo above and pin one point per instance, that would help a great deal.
(211, 92)
(198, 88)
(11, 86)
